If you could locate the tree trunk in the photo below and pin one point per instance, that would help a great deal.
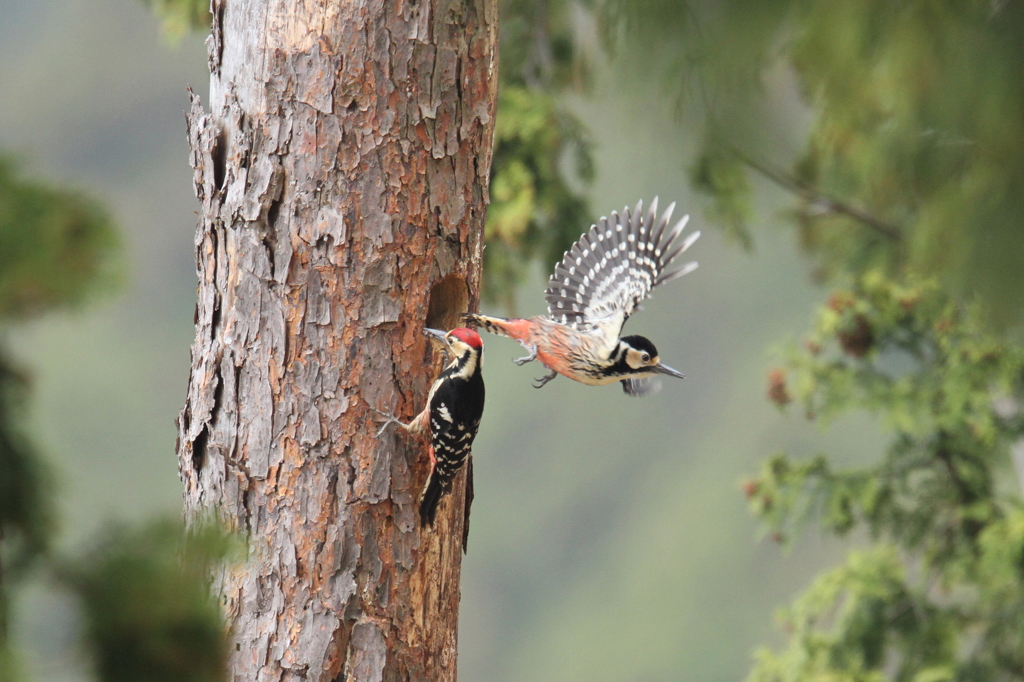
(343, 177)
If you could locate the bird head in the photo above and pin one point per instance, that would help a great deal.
(639, 358)
(463, 343)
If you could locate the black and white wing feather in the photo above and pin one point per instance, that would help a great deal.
(612, 268)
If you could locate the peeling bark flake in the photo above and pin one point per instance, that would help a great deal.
(368, 653)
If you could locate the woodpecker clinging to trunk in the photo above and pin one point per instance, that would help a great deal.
(601, 280)
(451, 417)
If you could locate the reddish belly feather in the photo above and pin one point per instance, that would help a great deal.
(552, 342)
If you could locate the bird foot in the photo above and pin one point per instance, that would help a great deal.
(543, 381)
(389, 419)
(532, 350)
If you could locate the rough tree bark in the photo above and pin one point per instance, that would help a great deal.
(342, 172)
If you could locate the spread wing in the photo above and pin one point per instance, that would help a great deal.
(612, 268)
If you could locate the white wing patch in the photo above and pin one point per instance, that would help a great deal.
(612, 268)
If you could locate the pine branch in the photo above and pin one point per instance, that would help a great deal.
(823, 202)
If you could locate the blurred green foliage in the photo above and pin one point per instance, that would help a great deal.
(869, 606)
(179, 17)
(146, 603)
(908, 194)
(945, 387)
(534, 213)
(26, 515)
(542, 154)
(941, 595)
(145, 600)
(722, 177)
(56, 247)
(918, 120)
(26, 512)
(913, 160)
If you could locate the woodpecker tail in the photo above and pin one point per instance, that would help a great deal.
(432, 493)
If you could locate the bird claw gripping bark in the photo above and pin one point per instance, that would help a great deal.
(532, 350)
(389, 419)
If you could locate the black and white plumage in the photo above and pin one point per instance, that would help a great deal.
(600, 282)
(612, 268)
(452, 415)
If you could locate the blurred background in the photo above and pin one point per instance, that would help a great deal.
(611, 537)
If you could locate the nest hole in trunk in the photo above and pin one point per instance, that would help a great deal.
(448, 299)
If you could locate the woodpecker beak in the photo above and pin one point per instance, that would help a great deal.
(437, 334)
(665, 369)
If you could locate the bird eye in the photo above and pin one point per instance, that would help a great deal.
(646, 357)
